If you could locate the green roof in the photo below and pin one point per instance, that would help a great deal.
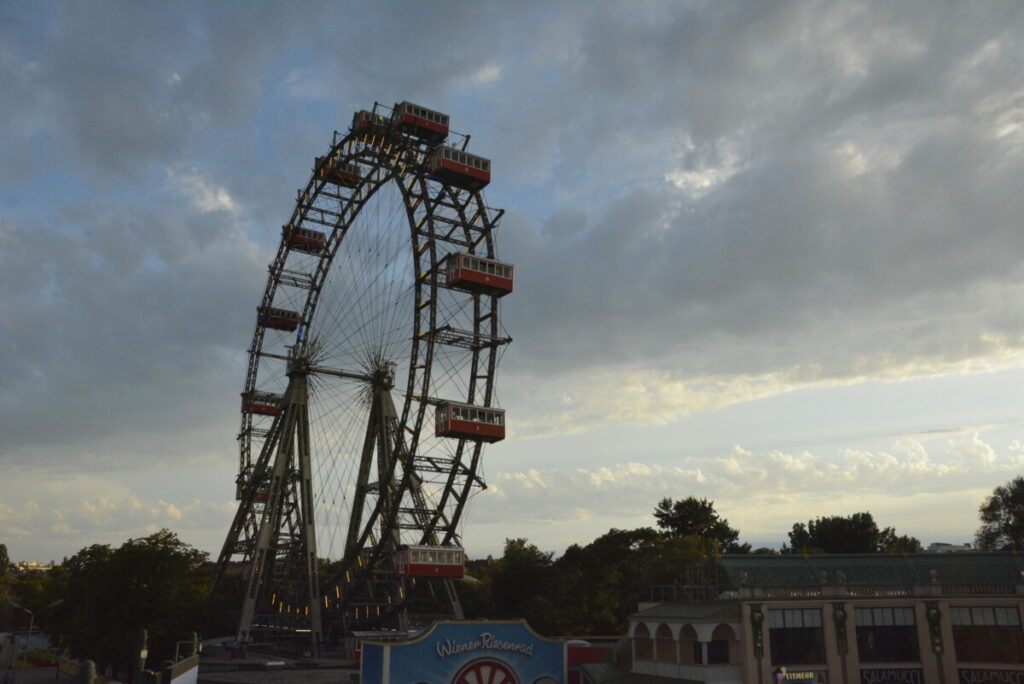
(708, 611)
(874, 569)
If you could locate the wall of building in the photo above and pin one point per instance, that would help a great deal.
(936, 644)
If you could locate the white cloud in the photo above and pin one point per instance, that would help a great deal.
(745, 485)
(486, 74)
(632, 396)
(205, 195)
(698, 172)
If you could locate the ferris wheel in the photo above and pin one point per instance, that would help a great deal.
(370, 388)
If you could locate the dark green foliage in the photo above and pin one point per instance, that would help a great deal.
(890, 542)
(1002, 518)
(697, 518)
(109, 595)
(520, 583)
(857, 533)
(5, 560)
(590, 590)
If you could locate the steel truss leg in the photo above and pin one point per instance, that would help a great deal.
(287, 504)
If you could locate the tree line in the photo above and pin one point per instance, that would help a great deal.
(95, 603)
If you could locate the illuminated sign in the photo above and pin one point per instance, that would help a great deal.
(467, 652)
(806, 676)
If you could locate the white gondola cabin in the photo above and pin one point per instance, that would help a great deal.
(458, 168)
(262, 403)
(333, 171)
(303, 239)
(430, 561)
(471, 273)
(423, 123)
(278, 319)
(464, 421)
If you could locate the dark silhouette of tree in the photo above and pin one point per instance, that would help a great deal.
(890, 542)
(108, 595)
(591, 590)
(602, 581)
(522, 583)
(857, 533)
(693, 517)
(5, 560)
(1002, 517)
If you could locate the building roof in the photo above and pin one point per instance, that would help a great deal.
(874, 569)
(706, 611)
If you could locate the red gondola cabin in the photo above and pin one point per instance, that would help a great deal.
(303, 239)
(420, 122)
(430, 561)
(458, 168)
(365, 121)
(473, 274)
(464, 421)
(263, 403)
(278, 319)
(333, 171)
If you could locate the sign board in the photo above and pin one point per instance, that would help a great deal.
(467, 652)
(185, 671)
(788, 674)
(976, 676)
(892, 675)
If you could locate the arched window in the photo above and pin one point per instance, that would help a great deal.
(722, 647)
(689, 646)
(665, 645)
(643, 647)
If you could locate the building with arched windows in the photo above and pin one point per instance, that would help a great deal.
(688, 641)
(843, 619)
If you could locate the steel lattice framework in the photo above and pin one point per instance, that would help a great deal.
(338, 456)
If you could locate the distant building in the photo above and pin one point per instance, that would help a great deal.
(943, 547)
(867, 619)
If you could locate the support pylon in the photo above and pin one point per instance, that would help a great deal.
(277, 536)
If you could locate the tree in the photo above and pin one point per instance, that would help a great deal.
(521, 583)
(1002, 517)
(600, 583)
(857, 533)
(890, 542)
(697, 517)
(108, 595)
(4, 560)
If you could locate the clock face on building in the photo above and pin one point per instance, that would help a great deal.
(485, 671)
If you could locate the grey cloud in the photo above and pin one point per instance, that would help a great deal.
(134, 322)
(126, 310)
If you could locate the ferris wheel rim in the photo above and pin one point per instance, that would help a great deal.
(483, 377)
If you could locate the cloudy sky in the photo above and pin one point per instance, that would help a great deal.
(769, 254)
